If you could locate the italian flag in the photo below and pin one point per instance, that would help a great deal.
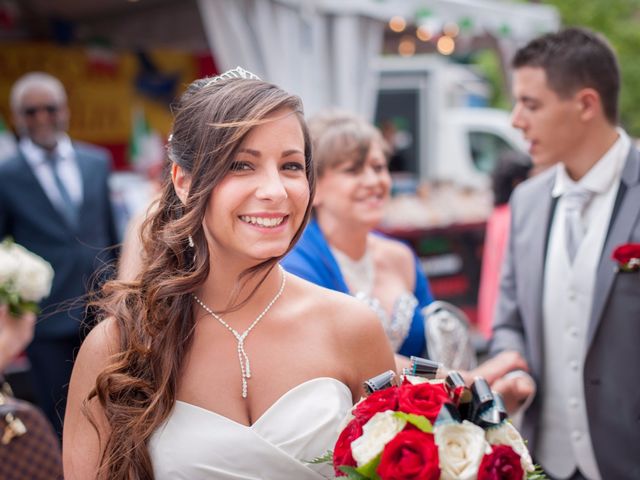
(8, 145)
(146, 148)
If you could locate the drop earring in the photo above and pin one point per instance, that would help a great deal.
(190, 239)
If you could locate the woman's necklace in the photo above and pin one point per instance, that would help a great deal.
(245, 366)
(359, 274)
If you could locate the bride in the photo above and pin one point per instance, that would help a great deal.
(214, 363)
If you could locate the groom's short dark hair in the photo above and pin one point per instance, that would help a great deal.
(576, 58)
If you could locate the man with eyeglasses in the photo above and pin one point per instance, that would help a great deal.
(54, 200)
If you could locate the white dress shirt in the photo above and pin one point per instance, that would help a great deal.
(565, 443)
(66, 166)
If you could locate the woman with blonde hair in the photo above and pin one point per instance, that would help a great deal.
(214, 363)
(340, 249)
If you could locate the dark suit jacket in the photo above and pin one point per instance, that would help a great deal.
(612, 362)
(75, 254)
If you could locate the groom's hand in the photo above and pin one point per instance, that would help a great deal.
(497, 367)
(515, 388)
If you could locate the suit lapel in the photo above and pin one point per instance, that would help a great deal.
(39, 191)
(623, 219)
(539, 222)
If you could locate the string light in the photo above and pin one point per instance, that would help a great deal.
(423, 33)
(397, 24)
(446, 45)
(407, 46)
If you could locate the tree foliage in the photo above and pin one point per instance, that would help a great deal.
(619, 21)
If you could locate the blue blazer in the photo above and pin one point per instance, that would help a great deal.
(76, 254)
(312, 260)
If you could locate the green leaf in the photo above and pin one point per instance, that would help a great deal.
(326, 458)
(422, 423)
(369, 469)
(352, 473)
(537, 474)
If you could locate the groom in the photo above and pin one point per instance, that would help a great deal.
(54, 200)
(563, 304)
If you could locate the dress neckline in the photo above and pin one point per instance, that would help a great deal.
(272, 407)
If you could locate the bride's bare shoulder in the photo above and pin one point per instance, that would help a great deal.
(100, 344)
(335, 307)
(353, 326)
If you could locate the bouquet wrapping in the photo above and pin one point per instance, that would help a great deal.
(430, 429)
(25, 278)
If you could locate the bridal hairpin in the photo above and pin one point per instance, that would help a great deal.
(237, 72)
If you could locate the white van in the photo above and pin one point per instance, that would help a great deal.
(438, 135)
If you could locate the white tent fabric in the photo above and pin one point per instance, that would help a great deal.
(320, 56)
(323, 50)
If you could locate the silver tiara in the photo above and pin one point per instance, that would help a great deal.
(237, 72)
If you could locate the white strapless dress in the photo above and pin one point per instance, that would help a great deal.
(195, 443)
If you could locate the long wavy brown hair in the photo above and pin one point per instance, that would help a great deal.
(154, 313)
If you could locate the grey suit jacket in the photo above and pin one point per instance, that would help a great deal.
(76, 254)
(612, 362)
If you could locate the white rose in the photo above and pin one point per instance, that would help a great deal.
(507, 434)
(34, 276)
(376, 433)
(9, 265)
(461, 447)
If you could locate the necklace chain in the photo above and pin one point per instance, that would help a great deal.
(245, 366)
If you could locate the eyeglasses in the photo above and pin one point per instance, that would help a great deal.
(32, 111)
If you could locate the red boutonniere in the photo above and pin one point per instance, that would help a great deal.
(628, 257)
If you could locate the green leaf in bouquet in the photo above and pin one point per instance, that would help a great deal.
(422, 423)
(326, 458)
(369, 469)
(352, 473)
(16, 307)
(7, 241)
(24, 307)
(537, 474)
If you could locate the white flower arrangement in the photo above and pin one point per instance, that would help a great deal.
(25, 278)
(461, 447)
(378, 431)
(432, 430)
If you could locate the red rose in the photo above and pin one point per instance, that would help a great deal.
(342, 451)
(410, 455)
(501, 464)
(424, 399)
(624, 254)
(379, 401)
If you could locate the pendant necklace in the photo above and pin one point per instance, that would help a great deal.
(245, 366)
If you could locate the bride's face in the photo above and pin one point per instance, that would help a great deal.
(256, 210)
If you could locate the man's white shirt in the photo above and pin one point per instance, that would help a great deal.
(67, 168)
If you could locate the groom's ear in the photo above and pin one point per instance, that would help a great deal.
(181, 182)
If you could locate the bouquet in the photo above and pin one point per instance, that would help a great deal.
(25, 278)
(430, 429)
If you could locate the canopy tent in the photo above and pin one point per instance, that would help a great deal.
(323, 50)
